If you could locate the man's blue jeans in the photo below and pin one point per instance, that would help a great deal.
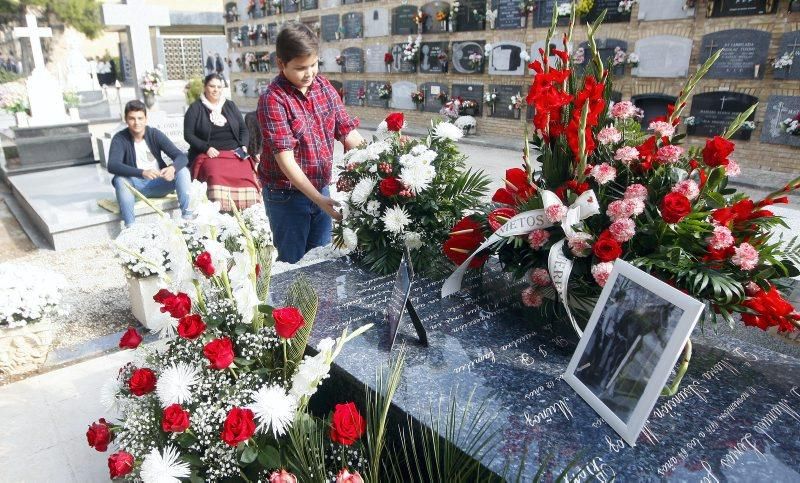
(154, 188)
(298, 225)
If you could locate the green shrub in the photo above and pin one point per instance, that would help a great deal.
(193, 89)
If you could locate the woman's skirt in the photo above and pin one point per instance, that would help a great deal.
(228, 178)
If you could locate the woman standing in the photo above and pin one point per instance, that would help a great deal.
(218, 138)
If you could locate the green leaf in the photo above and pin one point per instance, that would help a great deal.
(266, 309)
(242, 362)
(185, 440)
(249, 454)
(269, 457)
(192, 459)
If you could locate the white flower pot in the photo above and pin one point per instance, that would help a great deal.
(74, 114)
(141, 292)
(25, 349)
(21, 118)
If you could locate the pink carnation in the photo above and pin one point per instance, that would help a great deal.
(669, 153)
(604, 173)
(531, 297)
(623, 229)
(623, 110)
(609, 135)
(733, 169)
(555, 213)
(601, 271)
(626, 155)
(538, 238)
(540, 277)
(745, 256)
(579, 244)
(663, 129)
(721, 238)
(687, 188)
(636, 191)
(635, 205)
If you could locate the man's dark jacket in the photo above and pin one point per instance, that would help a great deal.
(122, 154)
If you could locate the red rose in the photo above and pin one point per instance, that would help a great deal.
(191, 326)
(219, 352)
(391, 186)
(606, 248)
(177, 305)
(142, 381)
(175, 419)
(130, 339)
(675, 207)
(203, 262)
(717, 151)
(395, 121)
(99, 435)
(499, 217)
(120, 464)
(347, 425)
(288, 321)
(238, 427)
(282, 476)
(162, 295)
(345, 476)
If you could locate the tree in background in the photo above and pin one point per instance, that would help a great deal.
(82, 15)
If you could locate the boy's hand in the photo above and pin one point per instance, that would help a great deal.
(168, 173)
(329, 206)
(150, 174)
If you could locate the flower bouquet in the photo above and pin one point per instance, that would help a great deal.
(516, 104)
(362, 95)
(784, 61)
(152, 81)
(418, 98)
(13, 97)
(490, 99)
(388, 59)
(385, 93)
(608, 190)
(411, 49)
(397, 193)
(792, 125)
(475, 60)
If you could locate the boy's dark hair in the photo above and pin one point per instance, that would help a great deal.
(210, 77)
(254, 130)
(295, 40)
(134, 106)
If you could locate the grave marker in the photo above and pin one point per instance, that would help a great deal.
(433, 58)
(714, 111)
(744, 54)
(506, 59)
(461, 53)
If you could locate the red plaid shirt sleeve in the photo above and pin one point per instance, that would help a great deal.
(273, 118)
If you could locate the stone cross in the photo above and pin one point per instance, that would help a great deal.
(35, 34)
(722, 104)
(711, 46)
(794, 48)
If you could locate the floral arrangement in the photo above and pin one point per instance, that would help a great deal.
(451, 108)
(691, 121)
(418, 97)
(792, 125)
(442, 98)
(152, 81)
(362, 94)
(442, 16)
(466, 104)
(141, 249)
(516, 102)
(420, 17)
(748, 126)
(340, 60)
(491, 17)
(633, 59)
(525, 57)
(626, 5)
(490, 98)
(784, 61)
(526, 6)
(385, 91)
(475, 60)
(620, 57)
(564, 9)
(466, 123)
(411, 49)
(454, 7)
(13, 97)
(579, 56)
(388, 58)
(608, 190)
(399, 193)
(28, 294)
(442, 57)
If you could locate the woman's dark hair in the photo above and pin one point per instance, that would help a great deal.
(134, 106)
(254, 130)
(211, 77)
(295, 40)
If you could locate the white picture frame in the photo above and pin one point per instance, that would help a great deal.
(645, 315)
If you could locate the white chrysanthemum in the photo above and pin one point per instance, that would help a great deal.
(108, 396)
(382, 132)
(395, 219)
(373, 208)
(164, 468)
(311, 372)
(163, 323)
(350, 239)
(464, 121)
(408, 159)
(374, 150)
(362, 191)
(418, 149)
(246, 298)
(413, 240)
(274, 409)
(197, 195)
(446, 130)
(326, 344)
(358, 156)
(427, 157)
(418, 177)
(175, 384)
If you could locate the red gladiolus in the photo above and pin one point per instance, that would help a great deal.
(717, 151)
(347, 425)
(239, 426)
(219, 352)
(395, 121)
(288, 320)
(577, 188)
(142, 381)
(744, 210)
(771, 310)
(674, 207)
(390, 186)
(99, 435)
(592, 93)
(130, 339)
(204, 263)
(548, 98)
(120, 464)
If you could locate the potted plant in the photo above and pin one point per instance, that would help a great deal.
(71, 101)
(14, 99)
(516, 105)
(490, 99)
(385, 93)
(418, 98)
(151, 84)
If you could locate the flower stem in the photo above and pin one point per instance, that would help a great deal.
(672, 389)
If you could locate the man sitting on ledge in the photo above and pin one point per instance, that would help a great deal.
(135, 157)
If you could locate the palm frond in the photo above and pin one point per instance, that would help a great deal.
(301, 294)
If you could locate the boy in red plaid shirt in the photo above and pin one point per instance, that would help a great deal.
(301, 115)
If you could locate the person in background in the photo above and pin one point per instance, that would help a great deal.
(209, 64)
(219, 67)
(135, 158)
(218, 138)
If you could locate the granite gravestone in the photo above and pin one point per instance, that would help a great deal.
(433, 57)
(309, 5)
(432, 91)
(329, 25)
(376, 22)
(730, 8)
(373, 95)
(714, 111)
(328, 60)
(472, 92)
(503, 101)
(653, 105)
(509, 15)
(431, 25)
(506, 59)
(744, 54)
(375, 58)
(338, 86)
(663, 56)
(543, 14)
(327, 4)
(606, 50)
(650, 10)
(461, 53)
(403, 20)
(272, 33)
(780, 108)
(351, 91)
(790, 42)
(401, 95)
(399, 64)
(613, 15)
(466, 18)
(350, 2)
(353, 60)
(353, 23)
(733, 418)
(290, 6)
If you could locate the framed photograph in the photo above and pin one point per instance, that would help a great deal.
(631, 344)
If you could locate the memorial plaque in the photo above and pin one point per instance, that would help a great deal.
(326, 4)
(353, 60)
(338, 86)
(431, 25)
(350, 2)
(461, 52)
(400, 65)
(653, 105)
(509, 15)
(272, 33)
(353, 24)
(613, 15)
(605, 48)
(432, 91)
(373, 96)
(401, 95)
(433, 58)
(290, 6)
(351, 90)
(714, 111)
(466, 19)
(663, 56)
(790, 42)
(328, 60)
(403, 20)
(503, 101)
(506, 59)
(543, 14)
(309, 5)
(780, 108)
(650, 10)
(244, 35)
(329, 25)
(744, 54)
(469, 91)
(374, 58)
(376, 22)
(731, 8)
